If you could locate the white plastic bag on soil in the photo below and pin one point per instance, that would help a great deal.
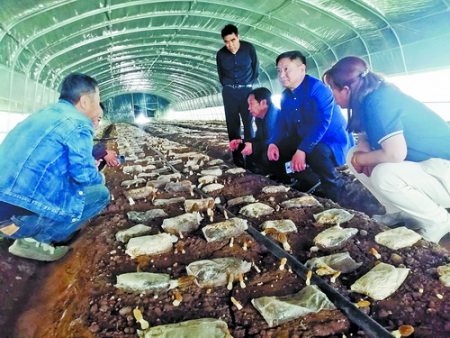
(333, 216)
(214, 272)
(300, 202)
(380, 282)
(256, 210)
(196, 328)
(141, 216)
(342, 262)
(224, 230)
(135, 231)
(278, 310)
(143, 281)
(150, 245)
(281, 225)
(334, 237)
(183, 224)
(397, 238)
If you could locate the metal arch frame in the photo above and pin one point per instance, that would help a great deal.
(67, 50)
(146, 15)
(128, 56)
(106, 52)
(174, 71)
(152, 14)
(394, 32)
(106, 9)
(87, 14)
(185, 82)
(342, 22)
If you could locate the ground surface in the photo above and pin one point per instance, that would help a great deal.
(76, 297)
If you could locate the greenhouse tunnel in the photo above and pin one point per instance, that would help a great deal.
(155, 63)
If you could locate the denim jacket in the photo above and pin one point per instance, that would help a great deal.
(46, 161)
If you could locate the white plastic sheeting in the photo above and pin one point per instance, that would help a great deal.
(167, 48)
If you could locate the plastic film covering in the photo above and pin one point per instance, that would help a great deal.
(167, 48)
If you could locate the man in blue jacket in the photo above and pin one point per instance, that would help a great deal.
(311, 128)
(265, 114)
(50, 184)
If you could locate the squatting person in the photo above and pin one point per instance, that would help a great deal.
(50, 184)
(265, 114)
(403, 153)
(311, 128)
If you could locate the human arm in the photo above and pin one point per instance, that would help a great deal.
(234, 144)
(393, 150)
(219, 67)
(81, 163)
(273, 153)
(111, 158)
(317, 119)
(247, 149)
(99, 151)
(255, 64)
(298, 161)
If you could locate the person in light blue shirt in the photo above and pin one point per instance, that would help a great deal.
(403, 151)
(50, 184)
(311, 128)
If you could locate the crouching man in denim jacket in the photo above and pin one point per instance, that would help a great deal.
(49, 182)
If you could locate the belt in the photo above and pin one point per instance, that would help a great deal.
(238, 86)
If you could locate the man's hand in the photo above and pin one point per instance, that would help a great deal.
(248, 150)
(234, 144)
(359, 168)
(273, 154)
(299, 161)
(111, 158)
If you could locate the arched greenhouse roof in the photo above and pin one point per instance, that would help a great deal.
(167, 48)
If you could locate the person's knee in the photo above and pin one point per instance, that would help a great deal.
(349, 159)
(104, 195)
(386, 177)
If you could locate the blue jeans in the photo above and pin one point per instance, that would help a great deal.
(47, 230)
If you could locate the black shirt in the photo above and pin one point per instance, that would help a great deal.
(241, 68)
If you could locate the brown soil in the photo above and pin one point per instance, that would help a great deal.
(75, 297)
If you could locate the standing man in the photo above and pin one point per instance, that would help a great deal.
(265, 113)
(311, 128)
(50, 185)
(237, 66)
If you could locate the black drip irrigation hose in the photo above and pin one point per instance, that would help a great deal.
(356, 316)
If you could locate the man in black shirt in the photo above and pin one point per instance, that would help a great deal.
(237, 66)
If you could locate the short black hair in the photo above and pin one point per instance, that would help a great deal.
(76, 84)
(229, 29)
(262, 93)
(102, 106)
(292, 55)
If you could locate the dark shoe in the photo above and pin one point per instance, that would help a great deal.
(32, 249)
(238, 159)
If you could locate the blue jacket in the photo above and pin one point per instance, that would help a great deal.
(46, 161)
(265, 128)
(309, 115)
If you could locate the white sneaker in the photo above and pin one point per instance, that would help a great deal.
(396, 218)
(32, 249)
(389, 219)
(435, 232)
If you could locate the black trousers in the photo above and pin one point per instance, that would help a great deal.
(321, 161)
(236, 109)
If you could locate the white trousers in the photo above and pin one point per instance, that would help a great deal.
(421, 190)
